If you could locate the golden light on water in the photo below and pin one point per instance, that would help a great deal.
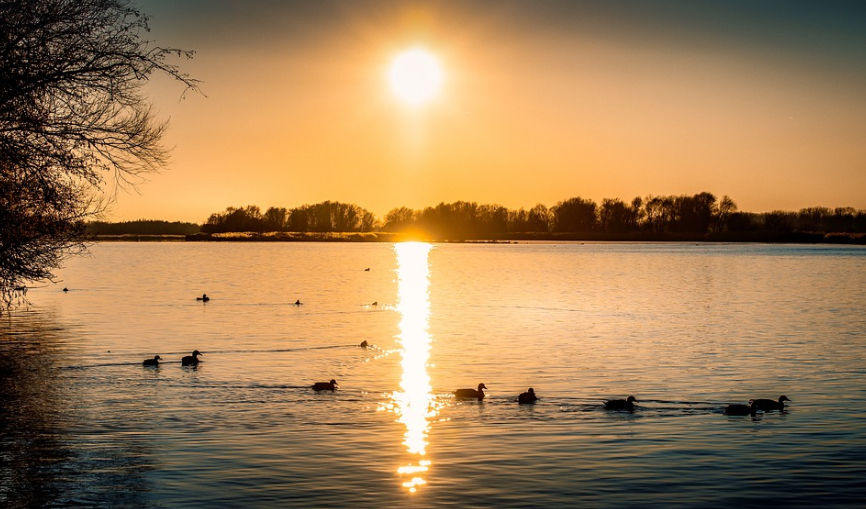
(414, 403)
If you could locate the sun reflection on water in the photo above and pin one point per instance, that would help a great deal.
(414, 404)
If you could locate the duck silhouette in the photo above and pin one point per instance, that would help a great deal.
(620, 404)
(527, 397)
(152, 362)
(203, 298)
(768, 405)
(364, 344)
(740, 409)
(191, 360)
(471, 393)
(325, 386)
(298, 302)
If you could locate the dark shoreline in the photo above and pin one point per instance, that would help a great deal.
(764, 237)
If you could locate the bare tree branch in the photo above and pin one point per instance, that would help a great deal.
(72, 112)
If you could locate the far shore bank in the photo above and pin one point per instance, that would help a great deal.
(745, 237)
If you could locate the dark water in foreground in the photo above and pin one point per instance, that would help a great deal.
(687, 329)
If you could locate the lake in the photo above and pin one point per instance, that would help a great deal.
(686, 328)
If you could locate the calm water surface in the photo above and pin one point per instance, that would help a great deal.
(685, 328)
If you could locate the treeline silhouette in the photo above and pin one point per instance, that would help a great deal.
(651, 217)
(699, 216)
(322, 217)
(142, 227)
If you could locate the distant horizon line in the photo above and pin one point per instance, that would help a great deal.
(201, 223)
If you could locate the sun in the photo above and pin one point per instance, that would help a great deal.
(415, 76)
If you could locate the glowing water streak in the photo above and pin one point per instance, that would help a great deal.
(414, 404)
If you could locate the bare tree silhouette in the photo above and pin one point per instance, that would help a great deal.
(74, 124)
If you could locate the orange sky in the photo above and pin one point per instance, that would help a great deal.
(541, 101)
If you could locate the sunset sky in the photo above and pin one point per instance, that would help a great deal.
(539, 101)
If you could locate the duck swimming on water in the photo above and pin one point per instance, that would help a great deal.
(527, 397)
(768, 405)
(152, 362)
(471, 393)
(740, 409)
(325, 386)
(203, 298)
(620, 404)
(190, 360)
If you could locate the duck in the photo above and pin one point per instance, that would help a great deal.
(152, 362)
(203, 298)
(298, 302)
(364, 344)
(190, 360)
(367, 269)
(768, 405)
(620, 404)
(471, 393)
(527, 397)
(325, 386)
(65, 289)
(740, 409)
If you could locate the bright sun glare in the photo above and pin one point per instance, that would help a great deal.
(414, 403)
(415, 76)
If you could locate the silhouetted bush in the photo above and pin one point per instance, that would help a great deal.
(246, 219)
(574, 215)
